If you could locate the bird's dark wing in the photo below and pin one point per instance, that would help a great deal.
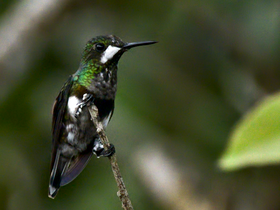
(58, 164)
(59, 109)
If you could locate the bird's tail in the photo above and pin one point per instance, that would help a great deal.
(60, 165)
(64, 170)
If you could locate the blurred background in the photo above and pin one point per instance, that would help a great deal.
(176, 105)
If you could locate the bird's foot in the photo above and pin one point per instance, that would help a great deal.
(86, 99)
(101, 152)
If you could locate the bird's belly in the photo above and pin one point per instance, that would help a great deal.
(80, 131)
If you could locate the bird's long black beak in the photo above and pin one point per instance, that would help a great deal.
(136, 44)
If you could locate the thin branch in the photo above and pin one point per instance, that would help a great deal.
(122, 193)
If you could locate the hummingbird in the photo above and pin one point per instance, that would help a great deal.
(74, 136)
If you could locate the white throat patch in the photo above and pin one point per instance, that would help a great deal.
(109, 53)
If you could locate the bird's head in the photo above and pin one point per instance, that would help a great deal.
(107, 50)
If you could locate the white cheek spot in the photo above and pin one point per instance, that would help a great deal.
(72, 104)
(109, 53)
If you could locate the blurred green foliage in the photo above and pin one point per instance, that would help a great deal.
(181, 97)
(255, 140)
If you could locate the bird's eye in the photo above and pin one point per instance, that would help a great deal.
(99, 47)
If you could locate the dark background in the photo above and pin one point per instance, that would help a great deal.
(176, 104)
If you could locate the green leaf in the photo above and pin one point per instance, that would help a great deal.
(255, 141)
